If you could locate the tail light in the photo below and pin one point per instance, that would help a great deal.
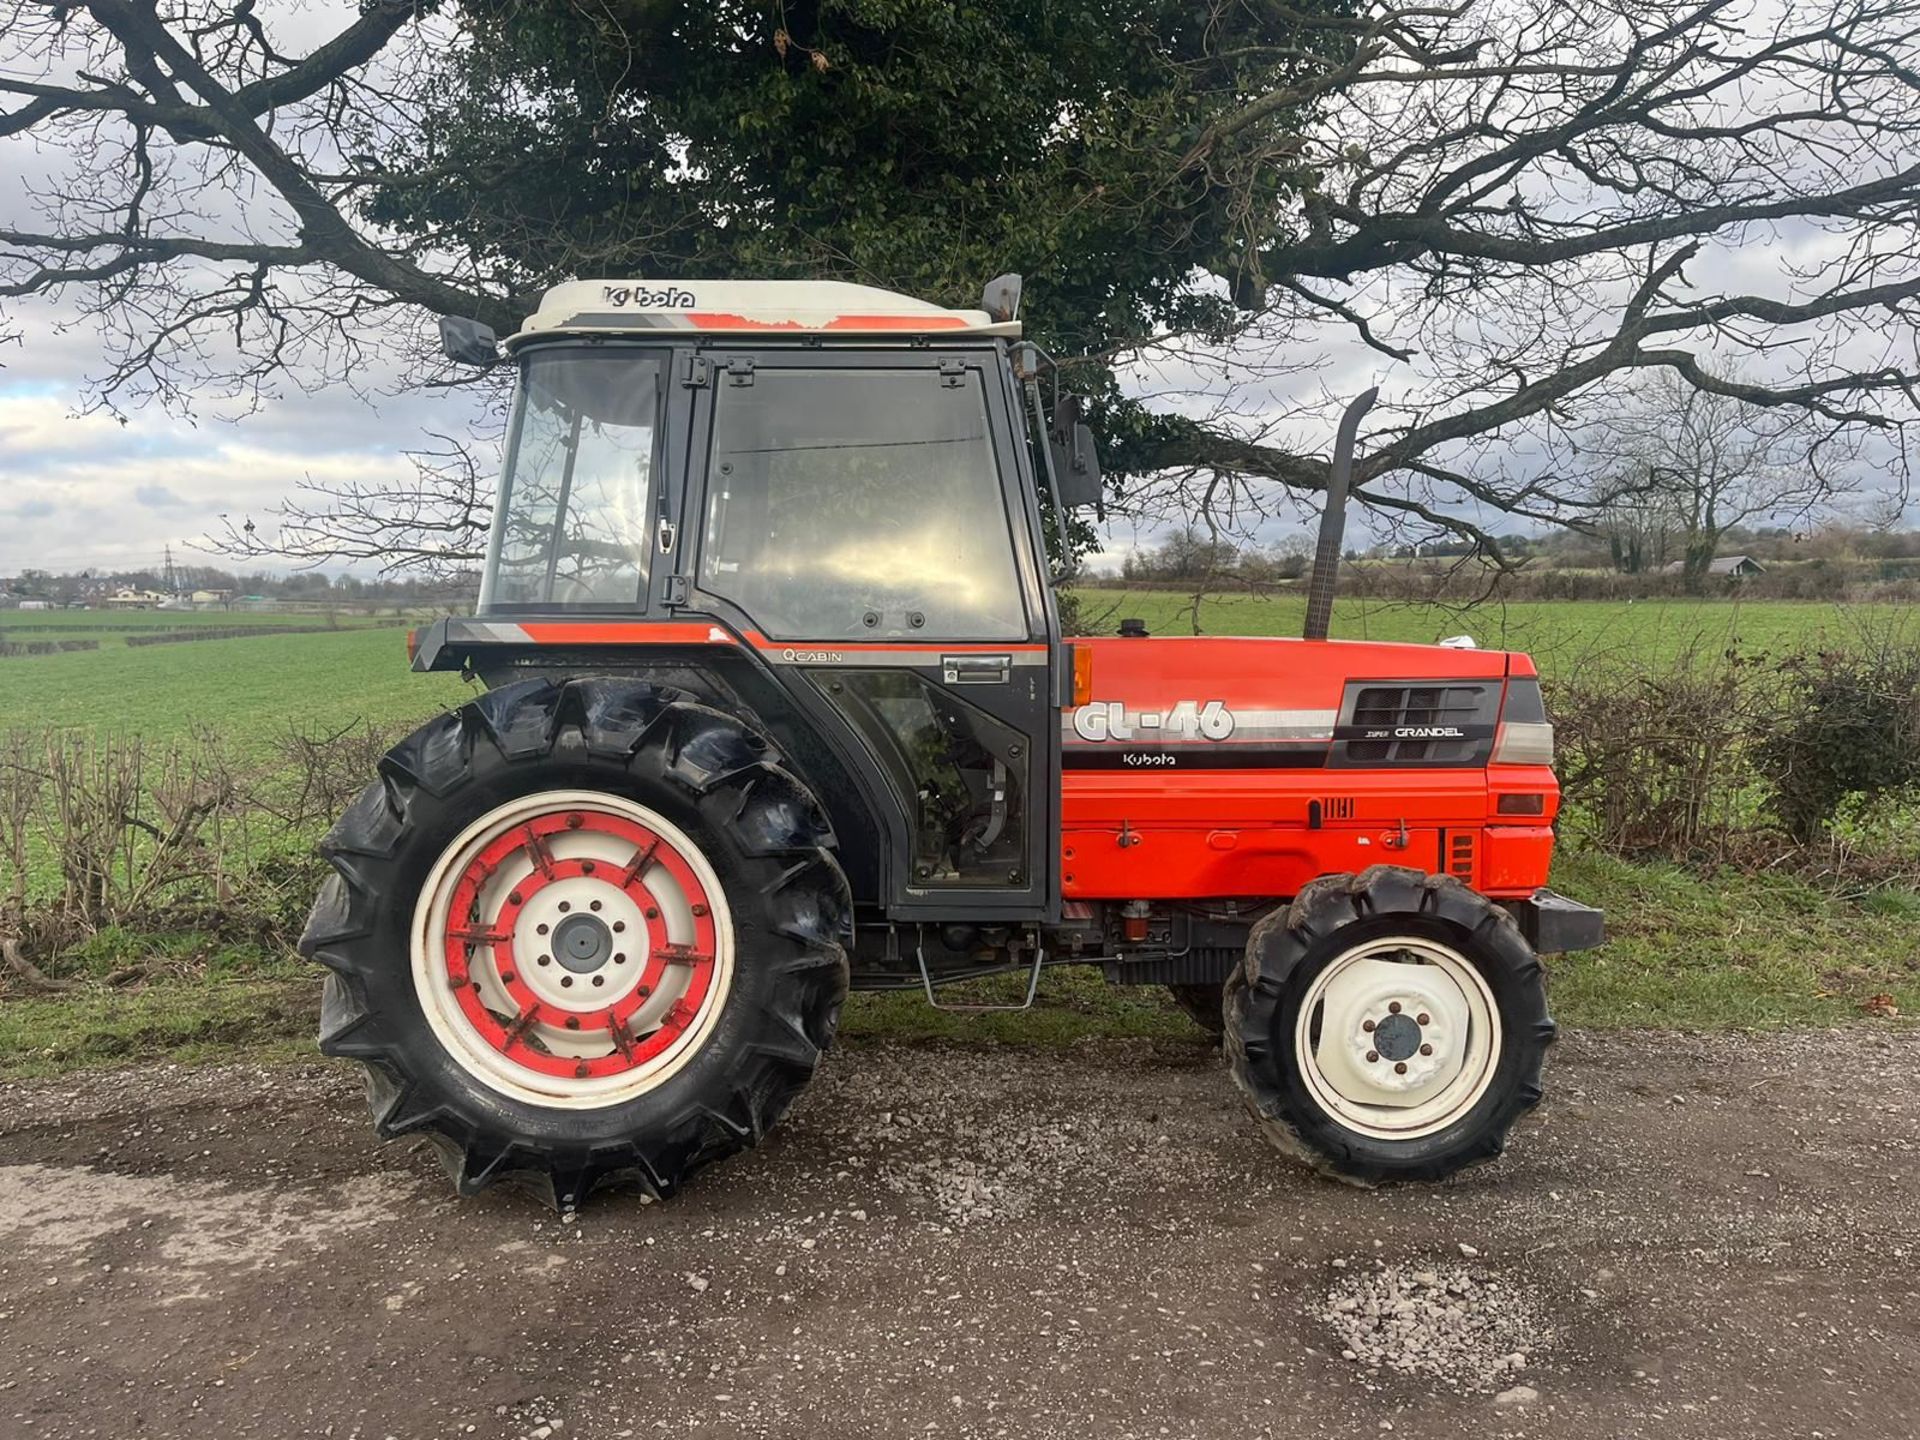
(1524, 736)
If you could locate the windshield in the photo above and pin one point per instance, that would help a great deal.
(575, 520)
(856, 502)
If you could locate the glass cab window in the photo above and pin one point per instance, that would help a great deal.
(850, 503)
(575, 520)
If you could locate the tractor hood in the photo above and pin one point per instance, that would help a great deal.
(1268, 703)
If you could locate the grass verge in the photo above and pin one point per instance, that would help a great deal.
(1730, 950)
(189, 1020)
(1685, 951)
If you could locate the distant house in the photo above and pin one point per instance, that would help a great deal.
(210, 599)
(136, 600)
(1727, 567)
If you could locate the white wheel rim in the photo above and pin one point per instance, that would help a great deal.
(648, 936)
(1398, 1037)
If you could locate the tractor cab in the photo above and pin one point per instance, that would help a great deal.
(826, 498)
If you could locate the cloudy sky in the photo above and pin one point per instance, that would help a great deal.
(82, 490)
(88, 489)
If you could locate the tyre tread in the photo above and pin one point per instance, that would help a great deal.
(741, 789)
(1282, 940)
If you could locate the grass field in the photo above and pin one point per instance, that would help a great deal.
(131, 620)
(252, 687)
(1685, 949)
(249, 689)
(1560, 635)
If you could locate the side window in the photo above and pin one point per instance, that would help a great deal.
(576, 522)
(854, 503)
(966, 772)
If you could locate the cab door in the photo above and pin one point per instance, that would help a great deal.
(856, 514)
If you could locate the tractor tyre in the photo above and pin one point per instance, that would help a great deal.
(581, 933)
(1202, 1005)
(1389, 1025)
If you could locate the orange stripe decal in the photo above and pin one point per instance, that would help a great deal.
(720, 320)
(761, 642)
(656, 632)
(897, 322)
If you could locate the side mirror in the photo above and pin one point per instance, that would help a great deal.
(1081, 482)
(468, 342)
(1076, 460)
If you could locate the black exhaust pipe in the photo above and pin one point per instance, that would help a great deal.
(1333, 521)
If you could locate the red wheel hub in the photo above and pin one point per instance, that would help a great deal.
(640, 941)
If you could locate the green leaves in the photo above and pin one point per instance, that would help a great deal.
(922, 145)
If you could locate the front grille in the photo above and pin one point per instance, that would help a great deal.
(1417, 724)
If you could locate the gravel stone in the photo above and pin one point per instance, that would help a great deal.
(1459, 1326)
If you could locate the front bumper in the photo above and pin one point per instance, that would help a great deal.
(1553, 924)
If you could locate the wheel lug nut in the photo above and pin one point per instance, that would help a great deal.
(643, 991)
(619, 959)
(594, 905)
(700, 910)
(599, 980)
(653, 912)
(566, 982)
(1372, 1055)
(573, 1022)
(506, 977)
(1400, 1067)
(1426, 1049)
(1393, 1006)
(546, 959)
(574, 822)
(1367, 1025)
(567, 905)
(514, 898)
(539, 929)
(1423, 1018)
(619, 926)
(580, 1071)
(586, 867)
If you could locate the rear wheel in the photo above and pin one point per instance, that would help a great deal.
(1389, 1025)
(580, 933)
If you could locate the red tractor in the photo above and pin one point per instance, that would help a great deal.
(778, 702)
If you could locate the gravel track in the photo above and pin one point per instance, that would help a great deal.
(1694, 1237)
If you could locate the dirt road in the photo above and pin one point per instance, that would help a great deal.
(1695, 1238)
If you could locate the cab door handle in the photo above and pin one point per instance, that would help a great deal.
(976, 669)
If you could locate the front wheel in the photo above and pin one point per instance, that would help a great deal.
(581, 933)
(1388, 1026)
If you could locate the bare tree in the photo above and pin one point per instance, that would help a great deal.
(1638, 526)
(433, 526)
(1693, 464)
(1503, 205)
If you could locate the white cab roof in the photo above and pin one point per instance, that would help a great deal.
(765, 307)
